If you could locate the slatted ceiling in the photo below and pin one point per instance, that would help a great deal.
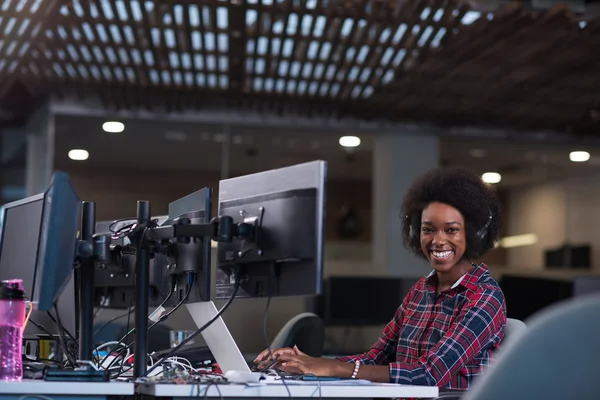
(298, 48)
(339, 55)
(532, 70)
(433, 60)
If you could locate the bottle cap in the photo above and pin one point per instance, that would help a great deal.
(12, 290)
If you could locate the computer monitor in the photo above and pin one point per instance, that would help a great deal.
(114, 284)
(58, 241)
(527, 295)
(189, 257)
(19, 240)
(289, 205)
(569, 257)
(20, 237)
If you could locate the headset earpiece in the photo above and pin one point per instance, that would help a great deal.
(482, 233)
(411, 232)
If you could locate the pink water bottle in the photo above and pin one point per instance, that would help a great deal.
(12, 319)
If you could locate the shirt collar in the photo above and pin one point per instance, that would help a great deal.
(469, 280)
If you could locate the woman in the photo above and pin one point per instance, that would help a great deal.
(451, 321)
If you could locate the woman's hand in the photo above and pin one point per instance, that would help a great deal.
(294, 361)
(265, 358)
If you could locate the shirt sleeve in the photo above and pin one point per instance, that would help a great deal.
(384, 350)
(478, 325)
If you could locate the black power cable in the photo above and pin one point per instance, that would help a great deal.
(175, 350)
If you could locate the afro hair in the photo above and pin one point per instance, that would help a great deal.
(463, 190)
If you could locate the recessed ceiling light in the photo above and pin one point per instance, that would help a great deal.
(349, 141)
(113, 127)
(78, 154)
(579, 156)
(491, 177)
(477, 153)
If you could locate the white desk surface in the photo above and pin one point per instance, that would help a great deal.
(38, 386)
(297, 391)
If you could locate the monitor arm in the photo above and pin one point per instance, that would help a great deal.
(90, 250)
(152, 240)
(219, 229)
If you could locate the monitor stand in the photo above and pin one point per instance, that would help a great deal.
(218, 338)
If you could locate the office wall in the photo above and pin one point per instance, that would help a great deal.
(540, 210)
(559, 212)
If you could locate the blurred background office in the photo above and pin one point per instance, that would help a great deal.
(155, 99)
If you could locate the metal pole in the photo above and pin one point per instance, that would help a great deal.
(142, 284)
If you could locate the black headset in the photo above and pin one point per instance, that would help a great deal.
(481, 233)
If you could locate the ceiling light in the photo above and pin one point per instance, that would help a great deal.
(491, 177)
(78, 154)
(349, 141)
(579, 156)
(113, 127)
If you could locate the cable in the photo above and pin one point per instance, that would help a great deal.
(105, 324)
(61, 338)
(213, 319)
(191, 279)
(41, 328)
(35, 396)
(128, 230)
(65, 329)
(208, 387)
(173, 286)
(28, 315)
(128, 332)
(270, 283)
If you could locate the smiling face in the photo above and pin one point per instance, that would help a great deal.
(443, 238)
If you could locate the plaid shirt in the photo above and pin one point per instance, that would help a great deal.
(443, 340)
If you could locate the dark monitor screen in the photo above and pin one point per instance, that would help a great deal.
(58, 241)
(355, 301)
(568, 257)
(526, 296)
(287, 206)
(20, 237)
(18, 254)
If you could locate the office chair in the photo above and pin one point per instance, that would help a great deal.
(306, 331)
(556, 357)
(514, 329)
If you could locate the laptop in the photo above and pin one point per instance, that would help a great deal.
(218, 338)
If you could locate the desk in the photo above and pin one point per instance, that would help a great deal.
(278, 391)
(29, 389)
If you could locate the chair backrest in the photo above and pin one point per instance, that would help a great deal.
(306, 331)
(556, 357)
(514, 328)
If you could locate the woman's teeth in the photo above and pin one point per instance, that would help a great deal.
(441, 254)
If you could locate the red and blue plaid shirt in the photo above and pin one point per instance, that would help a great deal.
(444, 340)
